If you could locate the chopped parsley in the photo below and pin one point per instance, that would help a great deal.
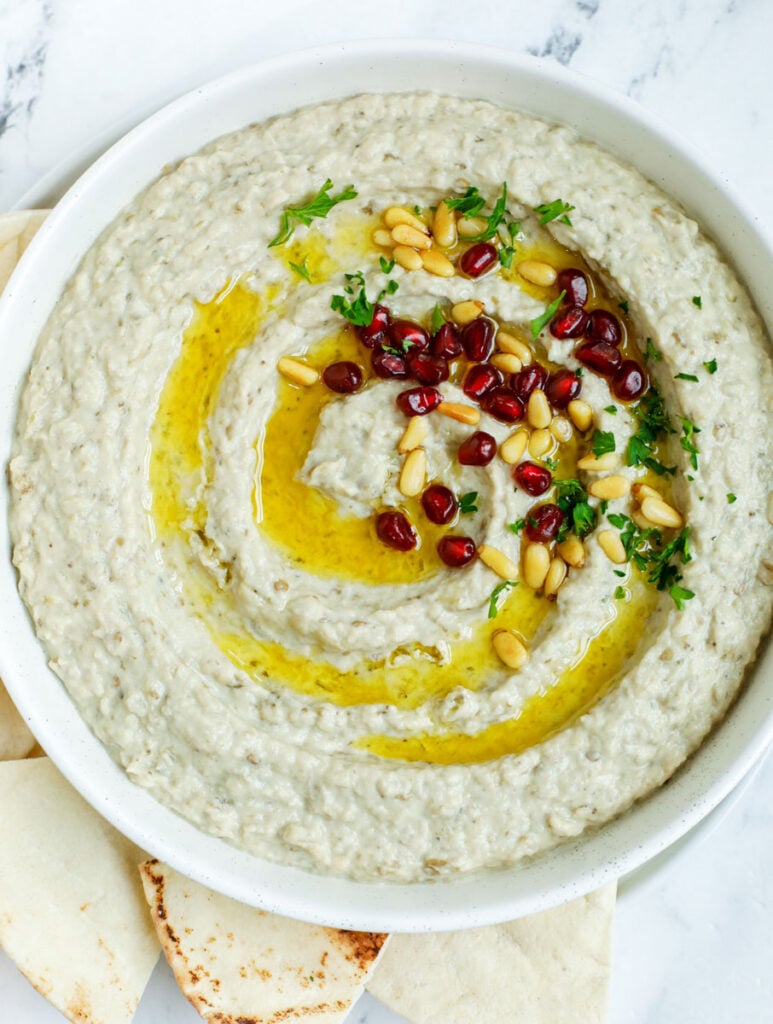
(496, 593)
(680, 595)
(470, 204)
(551, 464)
(517, 526)
(355, 305)
(645, 548)
(624, 306)
(611, 409)
(603, 441)
(650, 352)
(493, 220)
(539, 322)
(319, 206)
(619, 593)
(467, 503)
(572, 499)
(558, 209)
(618, 572)
(301, 269)
(731, 498)
(697, 301)
(711, 366)
(689, 430)
(437, 320)
(686, 376)
(506, 253)
(386, 265)
(653, 423)
(417, 210)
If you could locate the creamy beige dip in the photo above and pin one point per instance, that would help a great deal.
(226, 650)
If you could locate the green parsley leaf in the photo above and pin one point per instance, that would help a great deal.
(437, 319)
(572, 499)
(470, 204)
(711, 366)
(355, 305)
(514, 229)
(680, 595)
(301, 269)
(539, 322)
(697, 301)
(467, 503)
(624, 306)
(494, 219)
(611, 409)
(390, 289)
(731, 498)
(650, 352)
(517, 526)
(619, 593)
(558, 209)
(603, 441)
(689, 430)
(551, 464)
(603, 506)
(580, 371)
(506, 254)
(686, 376)
(319, 206)
(653, 422)
(618, 572)
(417, 210)
(496, 594)
(386, 265)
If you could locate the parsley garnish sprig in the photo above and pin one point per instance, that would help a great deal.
(319, 206)
(653, 423)
(659, 561)
(557, 210)
(579, 515)
(496, 593)
(355, 305)
(539, 321)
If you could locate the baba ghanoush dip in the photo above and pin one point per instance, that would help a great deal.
(390, 487)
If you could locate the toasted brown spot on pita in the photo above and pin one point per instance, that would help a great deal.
(359, 947)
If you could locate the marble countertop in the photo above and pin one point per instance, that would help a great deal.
(694, 932)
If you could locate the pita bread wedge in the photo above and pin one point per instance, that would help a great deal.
(238, 965)
(550, 968)
(16, 232)
(16, 741)
(72, 912)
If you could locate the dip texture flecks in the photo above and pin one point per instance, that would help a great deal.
(195, 535)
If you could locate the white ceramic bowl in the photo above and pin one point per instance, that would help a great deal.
(184, 126)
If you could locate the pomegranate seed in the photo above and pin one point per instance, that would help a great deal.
(543, 523)
(481, 379)
(599, 356)
(408, 336)
(575, 284)
(456, 551)
(428, 369)
(529, 379)
(478, 339)
(446, 344)
(343, 378)
(562, 387)
(478, 450)
(569, 323)
(439, 504)
(376, 329)
(387, 364)
(533, 479)
(629, 382)
(604, 326)
(503, 405)
(478, 259)
(418, 401)
(394, 530)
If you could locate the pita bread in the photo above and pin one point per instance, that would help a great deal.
(16, 741)
(72, 913)
(238, 965)
(550, 968)
(16, 232)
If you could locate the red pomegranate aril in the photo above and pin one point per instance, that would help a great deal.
(543, 523)
(629, 382)
(408, 336)
(562, 388)
(503, 405)
(604, 326)
(599, 356)
(478, 259)
(481, 379)
(478, 339)
(387, 364)
(439, 504)
(528, 379)
(427, 369)
(533, 479)
(418, 401)
(569, 323)
(394, 530)
(446, 344)
(343, 378)
(456, 551)
(478, 449)
(575, 284)
(371, 334)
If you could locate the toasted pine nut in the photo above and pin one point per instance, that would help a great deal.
(541, 442)
(598, 463)
(538, 409)
(444, 225)
(610, 487)
(513, 447)
(407, 257)
(404, 234)
(612, 546)
(572, 550)
(642, 491)
(465, 312)
(660, 513)
(536, 562)
(398, 215)
(382, 237)
(641, 522)
(463, 413)
(561, 429)
(509, 649)
(506, 362)
(468, 227)
(555, 577)
(436, 263)
(538, 272)
(297, 372)
(414, 473)
(507, 343)
(581, 413)
(498, 562)
(415, 433)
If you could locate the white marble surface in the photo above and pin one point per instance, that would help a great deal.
(694, 936)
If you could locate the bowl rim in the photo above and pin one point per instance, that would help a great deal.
(469, 900)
